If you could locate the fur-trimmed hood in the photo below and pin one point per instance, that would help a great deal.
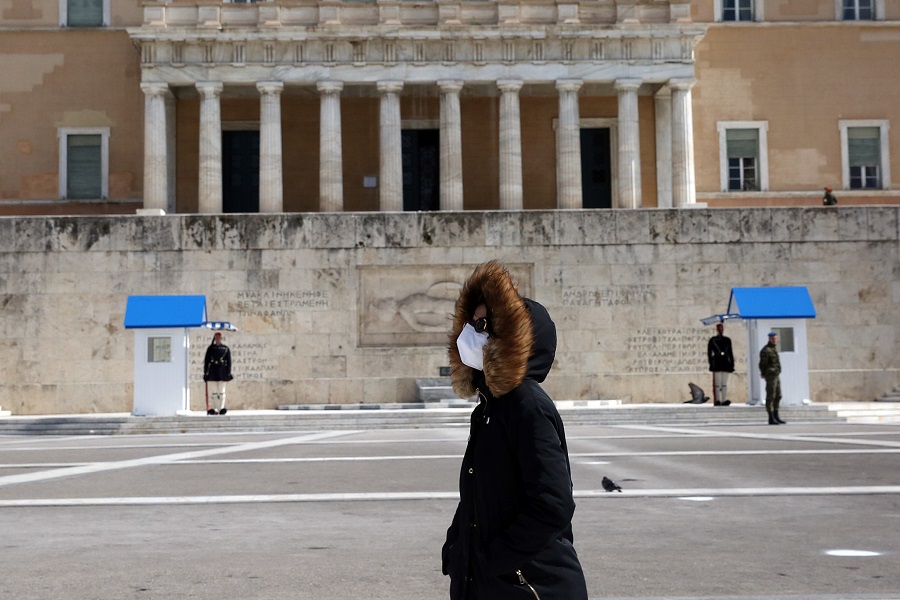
(522, 337)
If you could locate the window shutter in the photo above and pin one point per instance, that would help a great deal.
(742, 143)
(864, 146)
(85, 13)
(84, 167)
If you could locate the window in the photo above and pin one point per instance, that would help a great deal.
(84, 163)
(860, 10)
(83, 13)
(743, 156)
(159, 349)
(738, 10)
(785, 339)
(864, 155)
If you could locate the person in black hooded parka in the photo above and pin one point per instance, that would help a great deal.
(511, 536)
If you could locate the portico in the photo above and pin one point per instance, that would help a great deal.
(508, 91)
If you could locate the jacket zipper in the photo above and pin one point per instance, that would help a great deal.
(487, 417)
(523, 582)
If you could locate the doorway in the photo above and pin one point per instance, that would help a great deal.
(596, 168)
(240, 171)
(421, 169)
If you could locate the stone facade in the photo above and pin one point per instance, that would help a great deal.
(348, 308)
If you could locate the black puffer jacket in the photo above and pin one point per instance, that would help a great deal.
(511, 536)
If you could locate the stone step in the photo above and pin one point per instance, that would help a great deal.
(358, 417)
(867, 412)
(435, 390)
(892, 396)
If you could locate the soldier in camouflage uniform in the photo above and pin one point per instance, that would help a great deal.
(770, 370)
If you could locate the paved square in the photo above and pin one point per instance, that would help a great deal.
(795, 512)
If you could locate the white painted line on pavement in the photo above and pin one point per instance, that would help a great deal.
(734, 452)
(770, 491)
(398, 496)
(121, 447)
(232, 461)
(853, 553)
(574, 455)
(240, 499)
(774, 436)
(160, 459)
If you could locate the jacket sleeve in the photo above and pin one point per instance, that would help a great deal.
(547, 507)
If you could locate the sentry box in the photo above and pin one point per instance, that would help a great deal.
(783, 310)
(162, 347)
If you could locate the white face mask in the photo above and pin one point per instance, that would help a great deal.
(471, 347)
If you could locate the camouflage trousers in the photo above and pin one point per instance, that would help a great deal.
(773, 392)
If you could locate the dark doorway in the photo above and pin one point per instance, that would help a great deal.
(240, 171)
(421, 169)
(596, 168)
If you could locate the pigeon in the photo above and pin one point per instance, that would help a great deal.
(610, 486)
(698, 396)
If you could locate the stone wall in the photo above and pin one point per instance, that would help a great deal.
(352, 307)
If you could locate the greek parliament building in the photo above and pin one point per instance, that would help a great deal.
(390, 105)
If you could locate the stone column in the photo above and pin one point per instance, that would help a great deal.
(629, 151)
(171, 154)
(390, 192)
(684, 191)
(271, 187)
(663, 101)
(331, 173)
(156, 171)
(451, 146)
(510, 145)
(568, 146)
(210, 188)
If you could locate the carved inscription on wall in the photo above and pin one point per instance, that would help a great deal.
(620, 295)
(667, 350)
(276, 303)
(250, 360)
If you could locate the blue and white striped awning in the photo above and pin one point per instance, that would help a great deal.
(220, 326)
(719, 318)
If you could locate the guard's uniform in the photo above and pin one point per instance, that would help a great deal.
(770, 369)
(217, 373)
(721, 363)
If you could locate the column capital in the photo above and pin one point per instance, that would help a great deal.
(569, 85)
(682, 83)
(389, 87)
(210, 88)
(510, 85)
(627, 85)
(330, 87)
(450, 86)
(270, 87)
(155, 88)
